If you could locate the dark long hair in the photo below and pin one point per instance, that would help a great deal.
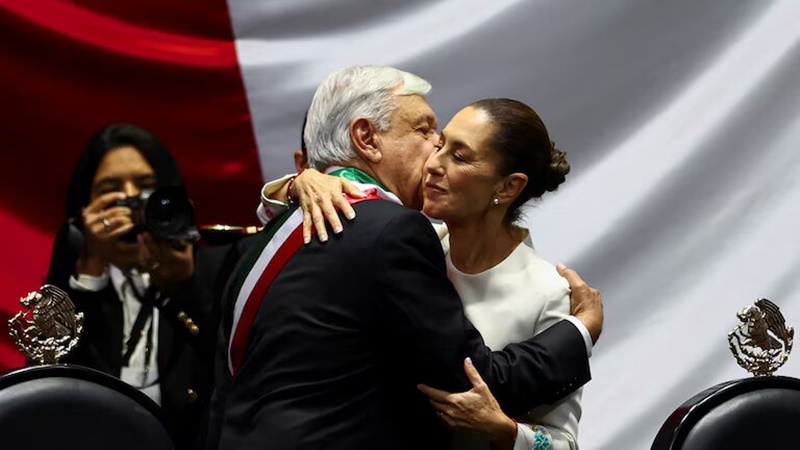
(69, 241)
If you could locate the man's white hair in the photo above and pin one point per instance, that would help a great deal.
(356, 91)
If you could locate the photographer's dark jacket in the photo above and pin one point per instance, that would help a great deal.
(187, 325)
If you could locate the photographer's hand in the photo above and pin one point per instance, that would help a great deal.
(103, 225)
(167, 263)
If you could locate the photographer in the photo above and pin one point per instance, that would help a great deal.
(150, 304)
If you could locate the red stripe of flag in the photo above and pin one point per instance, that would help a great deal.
(70, 68)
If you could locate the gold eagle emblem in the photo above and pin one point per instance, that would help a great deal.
(762, 342)
(50, 328)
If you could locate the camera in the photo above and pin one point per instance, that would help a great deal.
(166, 213)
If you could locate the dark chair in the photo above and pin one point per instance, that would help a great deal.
(752, 413)
(62, 406)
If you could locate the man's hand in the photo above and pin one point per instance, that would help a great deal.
(585, 302)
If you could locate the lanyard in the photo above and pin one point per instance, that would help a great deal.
(145, 312)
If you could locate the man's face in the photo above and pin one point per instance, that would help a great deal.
(412, 136)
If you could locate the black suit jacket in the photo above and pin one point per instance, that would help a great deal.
(349, 328)
(185, 360)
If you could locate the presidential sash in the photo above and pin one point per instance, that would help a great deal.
(278, 244)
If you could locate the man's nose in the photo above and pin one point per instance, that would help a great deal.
(437, 139)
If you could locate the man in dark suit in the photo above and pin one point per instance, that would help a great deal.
(326, 343)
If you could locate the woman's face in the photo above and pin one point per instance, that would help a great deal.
(125, 170)
(462, 177)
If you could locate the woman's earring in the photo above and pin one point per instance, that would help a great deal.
(496, 201)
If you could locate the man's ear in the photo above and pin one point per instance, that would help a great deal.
(511, 187)
(366, 141)
(300, 162)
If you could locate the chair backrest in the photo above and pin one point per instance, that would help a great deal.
(62, 406)
(752, 413)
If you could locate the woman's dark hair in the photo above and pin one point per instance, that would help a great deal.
(521, 139)
(69, 241)
(107, 139)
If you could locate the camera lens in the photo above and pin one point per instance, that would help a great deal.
(169, 214)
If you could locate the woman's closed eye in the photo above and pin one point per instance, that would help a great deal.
(459, 157)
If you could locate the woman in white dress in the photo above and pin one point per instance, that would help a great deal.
(495, 155)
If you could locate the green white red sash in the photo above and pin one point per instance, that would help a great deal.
(279, 244)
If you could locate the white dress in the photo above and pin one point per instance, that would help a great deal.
(514, 300)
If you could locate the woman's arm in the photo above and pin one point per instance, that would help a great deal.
(478, 410)
(551, 427)
(474, 410)
(319, 196)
